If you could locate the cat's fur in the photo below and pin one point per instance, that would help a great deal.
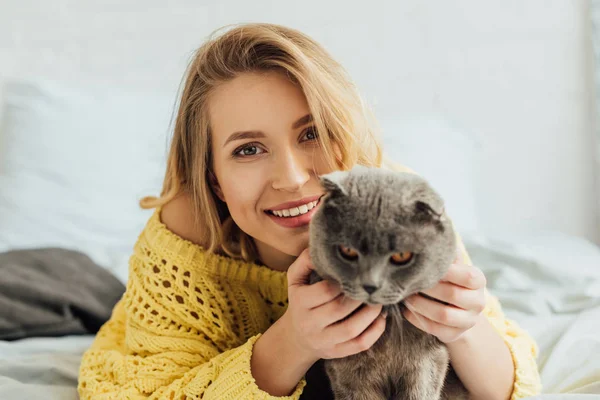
(378, 213)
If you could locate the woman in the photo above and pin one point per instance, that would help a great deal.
(217, 303)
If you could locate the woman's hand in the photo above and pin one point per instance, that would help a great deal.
(462, 289)
(311, 320)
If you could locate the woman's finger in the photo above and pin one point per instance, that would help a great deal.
(355, 325)
(440, 313)
(335, 310)
(299, 272)
(467, 276)
(445, 333)
(362, 342)
(458, 296)
(317, 294)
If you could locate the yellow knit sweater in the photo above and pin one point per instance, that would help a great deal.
(187, 323)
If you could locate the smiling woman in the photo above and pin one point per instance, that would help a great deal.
(271, 162)
(264, 111)
(218, 304)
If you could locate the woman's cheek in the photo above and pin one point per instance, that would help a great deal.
(243, 189)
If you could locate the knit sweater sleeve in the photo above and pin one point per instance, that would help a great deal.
(521, 345)
(159, 344)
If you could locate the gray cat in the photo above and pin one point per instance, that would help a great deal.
(384, 235)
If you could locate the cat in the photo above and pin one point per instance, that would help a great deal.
(384, 235)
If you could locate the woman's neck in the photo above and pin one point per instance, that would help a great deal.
(273, 258)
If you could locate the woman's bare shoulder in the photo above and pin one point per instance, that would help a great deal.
(178, 216)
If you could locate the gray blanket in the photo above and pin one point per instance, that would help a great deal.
(54, 292)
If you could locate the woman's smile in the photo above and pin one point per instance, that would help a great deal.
(294, 214)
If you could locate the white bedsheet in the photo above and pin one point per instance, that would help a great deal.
(41, 368)
(548, 282)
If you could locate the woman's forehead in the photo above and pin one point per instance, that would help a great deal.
(256, 102)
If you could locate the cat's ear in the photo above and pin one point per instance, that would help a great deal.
(333, 183)
(424, 209)
(429, 204)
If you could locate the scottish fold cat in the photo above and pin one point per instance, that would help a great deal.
(384, 235)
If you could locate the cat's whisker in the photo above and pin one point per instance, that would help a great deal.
(399, 323)
(390, 299)
(396, 313)
(415, 313)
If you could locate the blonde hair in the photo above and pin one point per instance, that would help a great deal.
(332, 98)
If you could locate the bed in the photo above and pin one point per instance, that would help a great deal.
(557, 300)
(547, 281)
(41, 368)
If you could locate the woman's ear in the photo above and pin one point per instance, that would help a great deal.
(214, 184)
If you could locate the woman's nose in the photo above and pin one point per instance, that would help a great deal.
(290, 172)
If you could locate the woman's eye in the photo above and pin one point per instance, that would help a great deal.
(401, 258)
(348, 253)
(248, 150)
(310, 133)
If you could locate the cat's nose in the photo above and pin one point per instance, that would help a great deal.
(370, 289)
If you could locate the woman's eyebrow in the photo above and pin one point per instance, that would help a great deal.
(302, 121)
(259, 134)
(244, 135)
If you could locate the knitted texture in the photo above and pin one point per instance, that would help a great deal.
(187, 323)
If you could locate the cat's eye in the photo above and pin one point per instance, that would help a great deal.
(348, 253)
(402, 258)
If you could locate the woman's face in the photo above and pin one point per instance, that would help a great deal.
(267, 160)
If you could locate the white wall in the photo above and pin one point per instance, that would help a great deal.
(514, 73)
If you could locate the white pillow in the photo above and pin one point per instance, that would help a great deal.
(442, 154)
(75, 162)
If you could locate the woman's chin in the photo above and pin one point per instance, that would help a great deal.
(298, 249)
(295, 245)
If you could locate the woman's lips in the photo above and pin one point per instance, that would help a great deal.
(298, 220)
(292, 204)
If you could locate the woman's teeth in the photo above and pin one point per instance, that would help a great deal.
(294, 211)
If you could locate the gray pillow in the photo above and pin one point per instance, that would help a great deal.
(54, 292)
